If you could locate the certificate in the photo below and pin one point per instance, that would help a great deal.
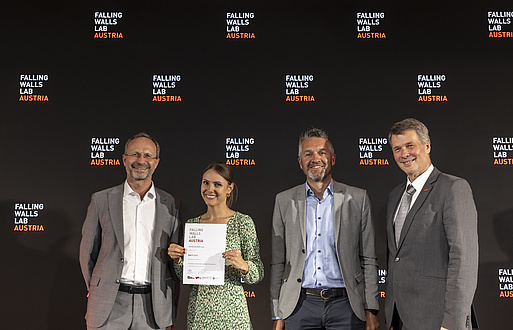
(203, 262)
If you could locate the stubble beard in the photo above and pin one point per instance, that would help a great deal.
(140, 176)
(318, 177)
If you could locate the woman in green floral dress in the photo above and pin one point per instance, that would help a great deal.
(213, 307)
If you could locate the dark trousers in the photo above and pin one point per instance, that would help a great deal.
(396, 323)
(316, 313)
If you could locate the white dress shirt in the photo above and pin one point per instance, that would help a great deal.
(418, 183)
(138, 227)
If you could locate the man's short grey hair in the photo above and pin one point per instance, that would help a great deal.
(314, 132)
(144, 135)
(410, 124)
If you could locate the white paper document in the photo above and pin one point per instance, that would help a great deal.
(203, 261)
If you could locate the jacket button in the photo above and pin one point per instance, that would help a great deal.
(117, 281)
(303, 251)
(299, 280)
(122, 259)
(396, 259)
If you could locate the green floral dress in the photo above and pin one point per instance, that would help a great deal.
(221, 307)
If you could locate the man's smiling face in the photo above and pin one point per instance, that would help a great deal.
(410, 154)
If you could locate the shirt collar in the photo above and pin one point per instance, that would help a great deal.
(329, 190)
(128, 191)
(419, 182)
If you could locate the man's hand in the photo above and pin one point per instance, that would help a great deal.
(278, 325)
(372, 322)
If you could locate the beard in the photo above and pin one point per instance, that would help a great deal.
(140, 176)
(318, 176)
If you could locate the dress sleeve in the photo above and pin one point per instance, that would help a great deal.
(179, 269)
(250, 250)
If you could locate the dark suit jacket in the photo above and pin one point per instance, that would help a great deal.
(101, 255)
(354, 243)
(432, 274)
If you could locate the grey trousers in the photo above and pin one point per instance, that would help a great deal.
(130, 312)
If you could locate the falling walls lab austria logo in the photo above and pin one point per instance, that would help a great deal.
(238, 25)
(164, 87)
(499, 22)
(505, 283)
(371, 151)
(297, 88)
(237, 150)
(105, 22)
(31, 86)
(102, 150)
(25, 214)
(502, 150)
(368, 23)
(429, 87)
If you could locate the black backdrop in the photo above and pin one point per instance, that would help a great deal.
(236, 88)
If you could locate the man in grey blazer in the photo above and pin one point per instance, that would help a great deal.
(432, 240)
(123, 252)
(323, 268)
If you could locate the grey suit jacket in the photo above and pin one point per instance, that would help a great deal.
(432, 273)
(354, 242)
(101, 255)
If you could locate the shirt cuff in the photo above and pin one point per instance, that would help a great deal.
(373, 311)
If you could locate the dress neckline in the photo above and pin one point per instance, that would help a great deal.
(229, 220)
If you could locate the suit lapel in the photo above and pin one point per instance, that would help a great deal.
(161, 222)
(116, 214)
(426, 190)
(160, 227)
(395, 197)
(301, 211)
(338, 199)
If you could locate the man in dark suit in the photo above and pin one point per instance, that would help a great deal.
(123, 252)
(432, 240)
(323, 268)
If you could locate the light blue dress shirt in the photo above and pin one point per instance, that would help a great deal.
(321, 264)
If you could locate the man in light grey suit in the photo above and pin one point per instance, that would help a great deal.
(123, 252)
(432, 240)
(323, 268)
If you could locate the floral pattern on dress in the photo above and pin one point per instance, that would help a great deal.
(221, 307)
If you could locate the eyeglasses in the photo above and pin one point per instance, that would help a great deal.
(136, 155)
